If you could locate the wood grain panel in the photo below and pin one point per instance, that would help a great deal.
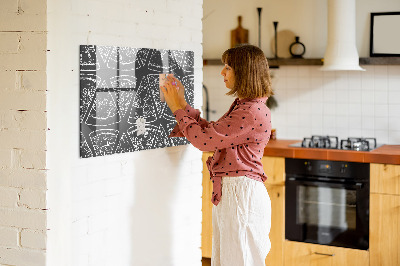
(274, 168)
(384, 230)
(277, 233)
(304, 254)
(385, 178)
(206, 225)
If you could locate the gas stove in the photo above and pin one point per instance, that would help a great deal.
(332, 142)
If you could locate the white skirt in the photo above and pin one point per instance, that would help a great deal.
(241, 223)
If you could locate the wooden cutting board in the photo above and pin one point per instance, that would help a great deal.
(239, 35)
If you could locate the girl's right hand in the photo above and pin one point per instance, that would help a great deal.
(181, 91)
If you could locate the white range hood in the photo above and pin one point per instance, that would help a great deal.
(341, 51)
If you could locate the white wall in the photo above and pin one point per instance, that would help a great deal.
(343, 104)
(306, 19)
(140, 208)
(23, 133)
(311, 102)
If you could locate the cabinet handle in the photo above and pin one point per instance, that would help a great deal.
(324, 254)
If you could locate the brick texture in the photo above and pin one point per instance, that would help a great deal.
(9, 237)
(33, 199)
(33, 239)
(27, 120)
(18, 256)
(8, 197)
(23, 127)
(23, 178)
(23, 218)
(122, 207)
(30, 54)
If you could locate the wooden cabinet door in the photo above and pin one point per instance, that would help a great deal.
(384, 237)
(385, 178)
(206, 225)
(274, 168)
(277, 233)
(304, 254)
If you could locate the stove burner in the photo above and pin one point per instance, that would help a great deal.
(332, 142)
(358, 144)
(328, 142)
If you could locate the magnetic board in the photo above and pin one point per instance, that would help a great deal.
(121, 108)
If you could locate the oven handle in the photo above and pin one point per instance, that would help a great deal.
(357, 185)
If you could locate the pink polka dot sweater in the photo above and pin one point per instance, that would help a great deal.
(238, 139)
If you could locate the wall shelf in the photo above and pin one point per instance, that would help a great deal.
(380, 61)
(274, 63)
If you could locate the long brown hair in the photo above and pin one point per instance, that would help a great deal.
(250, 66)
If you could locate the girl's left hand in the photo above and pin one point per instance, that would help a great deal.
(171, 94)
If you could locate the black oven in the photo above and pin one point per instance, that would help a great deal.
(327, 202)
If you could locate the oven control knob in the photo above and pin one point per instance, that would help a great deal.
(308, 166)
(343, 168)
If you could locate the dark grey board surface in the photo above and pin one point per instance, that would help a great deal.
(120, 106)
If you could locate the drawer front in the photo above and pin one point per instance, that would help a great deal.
(297, 253)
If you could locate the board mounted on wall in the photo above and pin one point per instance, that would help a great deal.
(121, 107)
(384, 36)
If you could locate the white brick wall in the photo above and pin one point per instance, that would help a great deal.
(9, 237)
(23, 132)
(100, 209)
(140, 208)
(33, 239)
(24, 256)
(23, 178)
(8, 197)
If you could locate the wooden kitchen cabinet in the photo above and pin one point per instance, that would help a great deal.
(206, 225)
(305, 254)
(385, 215)
(384, 236)
(277, 233)
(385, 178)
(274, 168)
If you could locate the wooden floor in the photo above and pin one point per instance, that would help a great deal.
(206, 261)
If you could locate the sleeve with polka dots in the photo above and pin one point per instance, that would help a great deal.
(234, 129)
(195, 114)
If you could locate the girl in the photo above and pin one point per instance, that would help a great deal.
(242, 209)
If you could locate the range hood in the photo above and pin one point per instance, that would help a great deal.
(341, 51)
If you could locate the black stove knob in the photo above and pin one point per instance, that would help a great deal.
(308, 166)
(343, 168)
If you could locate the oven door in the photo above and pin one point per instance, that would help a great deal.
(327, 213)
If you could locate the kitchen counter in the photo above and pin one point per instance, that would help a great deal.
(389, 154)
